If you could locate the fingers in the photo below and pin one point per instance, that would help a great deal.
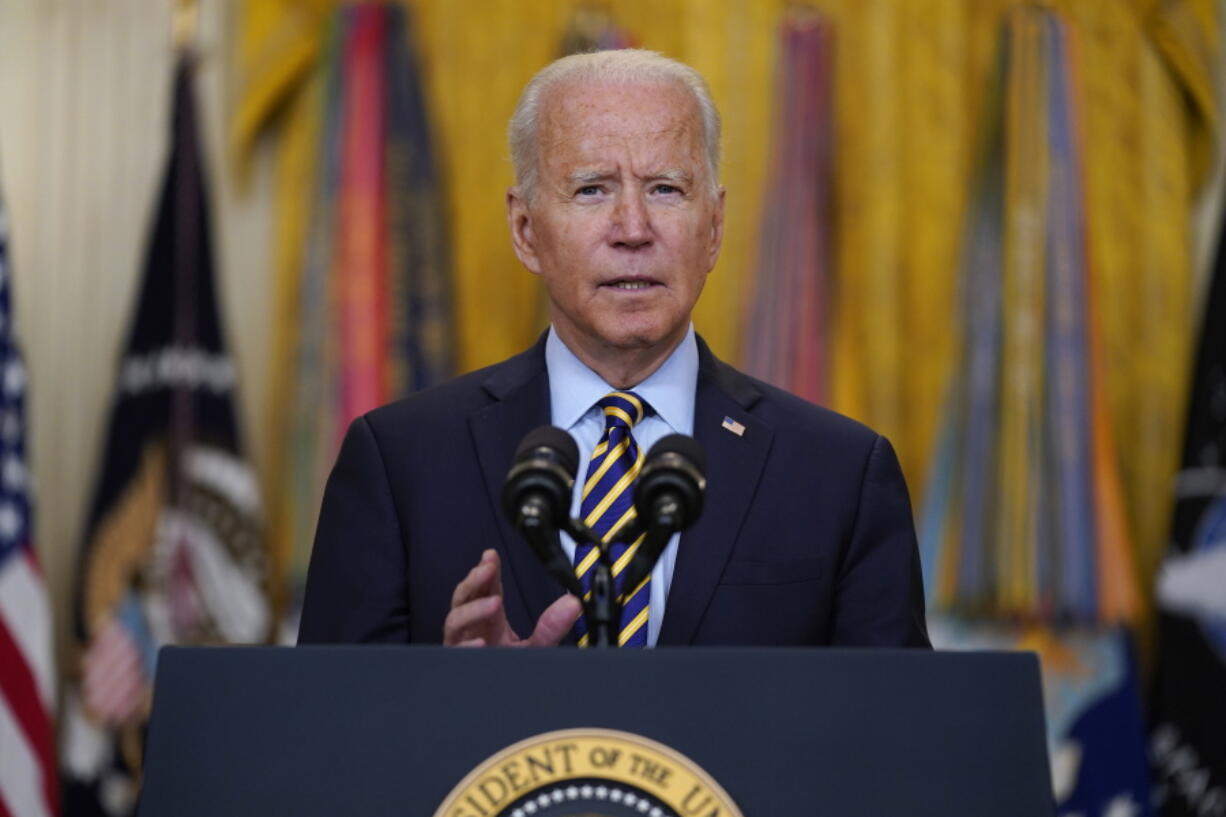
(477, 617)
(555, 622)
(483, 580)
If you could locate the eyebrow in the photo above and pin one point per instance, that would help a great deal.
(590, 176)
(674, 175)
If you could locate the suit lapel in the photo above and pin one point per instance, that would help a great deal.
(520, 388)
(734, 467)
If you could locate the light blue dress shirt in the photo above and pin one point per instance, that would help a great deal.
(573, 392)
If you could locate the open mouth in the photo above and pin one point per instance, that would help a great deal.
(631, 285)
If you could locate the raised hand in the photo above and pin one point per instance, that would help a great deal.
(479, 619)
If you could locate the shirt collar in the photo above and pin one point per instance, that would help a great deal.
(574, 388)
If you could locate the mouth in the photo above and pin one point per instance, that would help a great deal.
(631, 284)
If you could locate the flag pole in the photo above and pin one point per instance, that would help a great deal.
(184, 24)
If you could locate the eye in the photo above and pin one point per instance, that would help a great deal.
(666, 189)
(588, 190)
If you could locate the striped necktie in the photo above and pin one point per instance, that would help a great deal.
(608, 507)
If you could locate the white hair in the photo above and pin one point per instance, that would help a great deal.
(621, 65)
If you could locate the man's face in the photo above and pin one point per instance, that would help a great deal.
(623, 226)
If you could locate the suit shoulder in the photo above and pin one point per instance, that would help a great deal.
(788, 413)
(803, 429)
(439, 405)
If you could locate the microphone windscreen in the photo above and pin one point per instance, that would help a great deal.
(686, 447)
(557, 440)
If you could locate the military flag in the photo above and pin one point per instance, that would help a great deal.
(173, 551)
(786, 328)
(1023, 533)
(373, 316)
(1188, 736)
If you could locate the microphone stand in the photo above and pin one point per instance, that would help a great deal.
(603, 607)
(645, 559)
(603, 610)
(535, 493)
(665, 521)
(544, 539)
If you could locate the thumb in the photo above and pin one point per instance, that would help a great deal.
(555, 622)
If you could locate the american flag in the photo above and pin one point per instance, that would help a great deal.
(28, 786)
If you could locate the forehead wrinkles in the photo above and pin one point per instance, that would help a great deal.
(643, 143)
(584, 120)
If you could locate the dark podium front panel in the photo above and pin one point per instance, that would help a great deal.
(376, 731)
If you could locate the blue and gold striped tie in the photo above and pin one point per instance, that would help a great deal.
(608, 507)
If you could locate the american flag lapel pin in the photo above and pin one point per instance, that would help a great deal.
(732, 425)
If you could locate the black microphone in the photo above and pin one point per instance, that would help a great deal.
(672, 483)
(537, 494)
(667, 499)
(542, 477)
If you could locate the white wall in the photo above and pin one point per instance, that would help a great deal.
(84, 106)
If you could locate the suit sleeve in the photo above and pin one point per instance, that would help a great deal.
(357, 583)
(880, 594)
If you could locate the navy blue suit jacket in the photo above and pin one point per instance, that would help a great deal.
(806, 537)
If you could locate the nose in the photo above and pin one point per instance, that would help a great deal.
(631, 221)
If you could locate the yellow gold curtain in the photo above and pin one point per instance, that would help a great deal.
(910, 76)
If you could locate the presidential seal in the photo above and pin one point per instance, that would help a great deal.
(588, 773)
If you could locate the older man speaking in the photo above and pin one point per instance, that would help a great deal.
(807, 537)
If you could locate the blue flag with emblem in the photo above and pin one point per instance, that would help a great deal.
(173, 551)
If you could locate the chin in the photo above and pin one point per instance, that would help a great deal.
(633, 338)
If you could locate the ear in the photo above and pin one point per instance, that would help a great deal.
(717, 230)
(523, 237)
